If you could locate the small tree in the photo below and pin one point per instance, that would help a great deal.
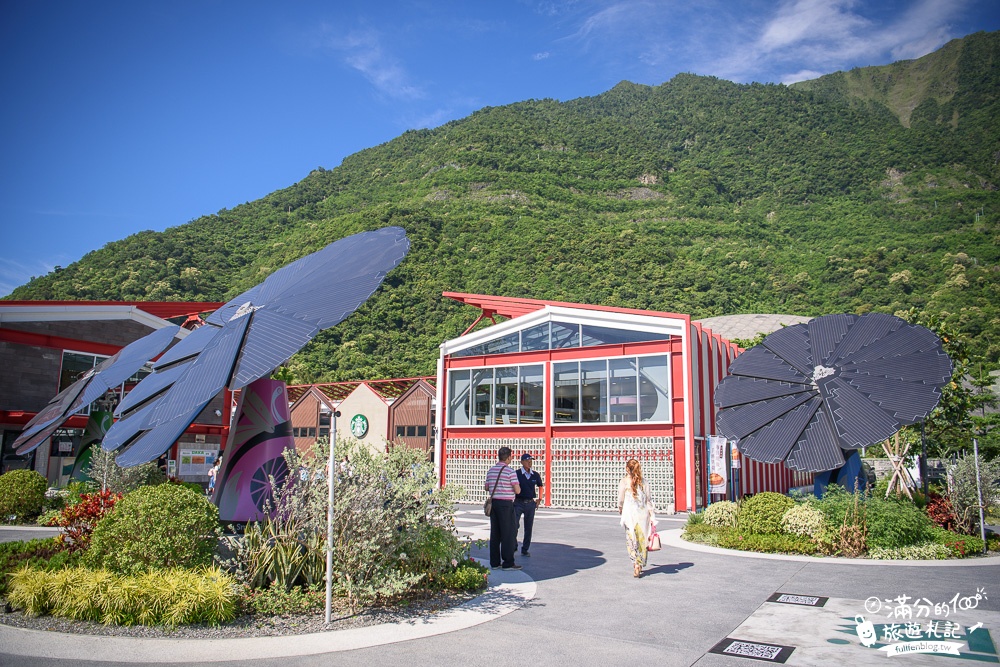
(110, 476)
(963, 492)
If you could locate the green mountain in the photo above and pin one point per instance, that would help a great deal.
(873, 189)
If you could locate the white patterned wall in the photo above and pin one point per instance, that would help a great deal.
(586, 471)
(468, 459)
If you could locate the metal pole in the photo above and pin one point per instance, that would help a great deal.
(979, 491)
(329, 518)
(923, 457)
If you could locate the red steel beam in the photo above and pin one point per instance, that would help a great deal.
(56, 342)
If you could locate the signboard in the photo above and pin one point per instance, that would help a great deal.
(736, 457)
(171, 468)
(196, 462)
(359, 426)
(718, 469)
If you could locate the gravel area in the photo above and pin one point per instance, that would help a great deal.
(248, 626)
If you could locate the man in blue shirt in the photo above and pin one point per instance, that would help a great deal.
(526, 500)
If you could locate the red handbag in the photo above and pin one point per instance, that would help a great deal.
(653, 543)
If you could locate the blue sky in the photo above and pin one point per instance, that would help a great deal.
(123, 116)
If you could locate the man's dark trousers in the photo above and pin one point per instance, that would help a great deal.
(503, 533)
(527, 509)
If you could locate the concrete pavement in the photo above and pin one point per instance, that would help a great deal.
(588, 610)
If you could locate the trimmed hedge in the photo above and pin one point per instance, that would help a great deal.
(160, 527)
(22, 495)
(803, 520)
(722, 513)
(761, 514)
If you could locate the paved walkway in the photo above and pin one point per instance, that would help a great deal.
(586, 609)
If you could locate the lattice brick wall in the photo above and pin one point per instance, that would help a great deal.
(586, 471)
(468, 459)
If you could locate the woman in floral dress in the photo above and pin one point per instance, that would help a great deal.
(635, 504)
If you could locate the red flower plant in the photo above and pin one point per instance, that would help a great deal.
(78, 521)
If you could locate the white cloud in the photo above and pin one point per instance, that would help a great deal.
(363, 51)
(541, 56)
(806, 38)
(14, 274)
(801, 75)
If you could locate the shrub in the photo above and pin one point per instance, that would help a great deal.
(940, 511)
(44, 554)
(804, 520)
(107, 474)
(959, 546)
(722, 513)
(846, 527)
(159, 527)
(282, 553)
(276, 601)
(895, 522)
(963, 492)
(468, 575)
(768, 543)
(22, 495)
(761, 514)
(79, 520)
(705, 534)
(695, 518)
(923, 551)
(168, 597)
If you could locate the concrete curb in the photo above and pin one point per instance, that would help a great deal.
(673, 538)
(508, 591)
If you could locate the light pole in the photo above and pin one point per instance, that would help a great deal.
(329, 518)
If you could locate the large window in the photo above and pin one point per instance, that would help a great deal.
(623, 389)
(505, 395)
(559, 335)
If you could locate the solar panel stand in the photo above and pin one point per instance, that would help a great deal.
(900, 479)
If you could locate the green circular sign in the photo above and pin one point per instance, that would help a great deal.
(359, 426)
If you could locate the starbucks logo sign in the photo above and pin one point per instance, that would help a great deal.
(359, 426)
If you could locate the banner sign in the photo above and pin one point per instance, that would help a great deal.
(718, 469)
(736, 456)
(195, 462)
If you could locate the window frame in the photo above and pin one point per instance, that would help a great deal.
(471, 396)
(579, 410)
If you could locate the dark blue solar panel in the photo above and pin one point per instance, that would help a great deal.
(874, 373)
(740, 389)
(190, 346)
(206, 376)
(128, 429)
(270, 341)
(759, 362)
(792, 345)
(150, 444)
(771, 443)
(152, 385)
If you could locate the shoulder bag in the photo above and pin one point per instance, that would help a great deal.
(488, 505)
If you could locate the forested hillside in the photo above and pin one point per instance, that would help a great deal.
(874, 189)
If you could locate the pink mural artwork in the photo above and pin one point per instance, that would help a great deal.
(253, 457)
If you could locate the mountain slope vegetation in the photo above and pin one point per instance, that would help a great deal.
(874, 189)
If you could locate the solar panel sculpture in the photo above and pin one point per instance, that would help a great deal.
(812, 393)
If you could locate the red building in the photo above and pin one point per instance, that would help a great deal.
(583, 389)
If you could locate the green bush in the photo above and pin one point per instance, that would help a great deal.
(705, 534)
(466, 576)
(924, 551)
(959, 546)
(165, 597)
(45, 554)
(896, 522)
(768, 543)
(695, 518)
(761, 514)
(22, 495)
(159, 527)
(803, 520)
(276, 601)
(722, 513)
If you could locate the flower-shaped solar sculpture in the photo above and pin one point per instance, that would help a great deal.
(248, 337)
(839, 382)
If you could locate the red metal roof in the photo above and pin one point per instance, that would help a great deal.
(338, 391)
(512, 307)
(162, 309)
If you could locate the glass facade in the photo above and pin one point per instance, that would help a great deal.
(594, 391)
(505, 395)
(559, 335)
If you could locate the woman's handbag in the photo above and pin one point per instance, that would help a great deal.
(488, 505)
(653, 543)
